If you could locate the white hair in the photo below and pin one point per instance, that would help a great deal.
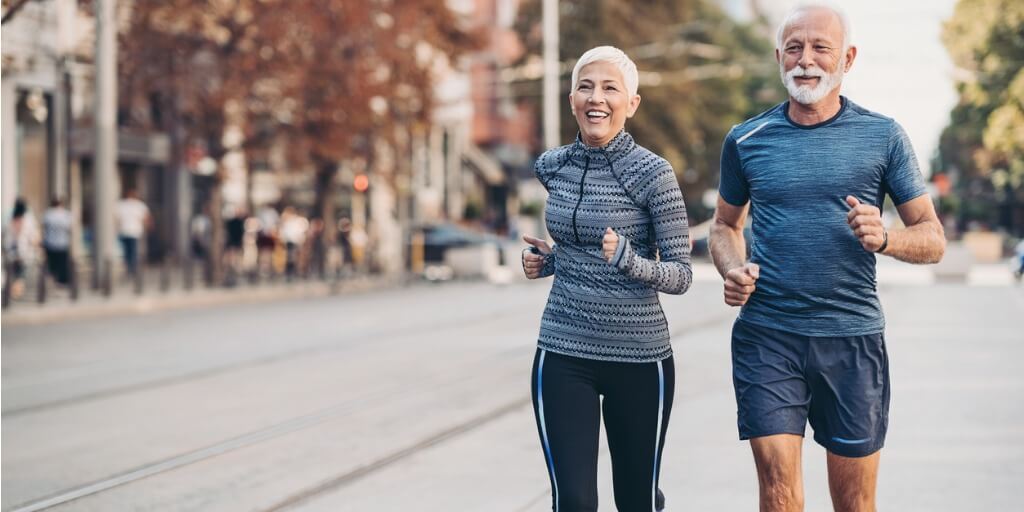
(611, 55)
(806, 6)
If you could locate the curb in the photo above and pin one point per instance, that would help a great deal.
(178, 300)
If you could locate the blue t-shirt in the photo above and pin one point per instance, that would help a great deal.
(816, 279)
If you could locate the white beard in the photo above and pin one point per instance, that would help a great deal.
(806, 94)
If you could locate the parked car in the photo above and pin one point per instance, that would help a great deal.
(438, 238)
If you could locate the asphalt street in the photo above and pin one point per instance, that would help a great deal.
(417, 398)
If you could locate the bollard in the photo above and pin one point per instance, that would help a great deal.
(417, 253)
(254, 273)
(8, 276)
(208, 271)
(72, 277)
(189, 272)
(137, 278)
(96, 281)
(41, 288)
(6, 301)
(106, 278)
(165, 274)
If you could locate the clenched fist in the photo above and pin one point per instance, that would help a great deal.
(866, 222)
(740, 283)
(533, 257)
(609, 244)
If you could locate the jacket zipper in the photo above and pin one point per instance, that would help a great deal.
(575, 230)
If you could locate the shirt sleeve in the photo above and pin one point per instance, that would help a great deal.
(546, 165)
(732, 184)
(549, 262)
(671, 272)
(903, 179)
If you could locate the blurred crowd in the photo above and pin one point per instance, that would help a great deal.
(279, 241)
(274, 241)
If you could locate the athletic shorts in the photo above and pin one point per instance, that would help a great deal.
(841, 385)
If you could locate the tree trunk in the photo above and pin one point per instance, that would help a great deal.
(326, 208)
(217, 234)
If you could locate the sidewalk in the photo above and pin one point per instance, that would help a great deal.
(124, 300)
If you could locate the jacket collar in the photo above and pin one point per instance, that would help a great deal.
(619, 146)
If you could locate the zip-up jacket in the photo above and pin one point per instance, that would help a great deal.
(610, 310)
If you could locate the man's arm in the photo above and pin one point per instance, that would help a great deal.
(922, 240)
(725, 242)
(729, 252)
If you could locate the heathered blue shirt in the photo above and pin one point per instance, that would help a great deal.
(815, 279)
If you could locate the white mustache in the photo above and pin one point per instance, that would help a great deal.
(801, 72)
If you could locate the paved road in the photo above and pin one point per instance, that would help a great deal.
(417, 399)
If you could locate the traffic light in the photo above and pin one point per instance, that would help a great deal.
(361, 183)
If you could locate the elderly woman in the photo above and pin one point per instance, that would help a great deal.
(619, 224)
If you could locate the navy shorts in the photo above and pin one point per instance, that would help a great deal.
(841, 385)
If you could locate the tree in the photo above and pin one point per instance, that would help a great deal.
(185, 65)
(701, 73)
(361, 75)
(984, 143)
(333, 78)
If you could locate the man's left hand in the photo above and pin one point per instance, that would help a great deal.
(866, 222)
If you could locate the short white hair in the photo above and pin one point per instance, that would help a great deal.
(614, 56)
(807, 6)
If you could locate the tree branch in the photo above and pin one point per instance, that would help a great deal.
(12, 10)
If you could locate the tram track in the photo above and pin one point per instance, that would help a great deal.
(305, 421)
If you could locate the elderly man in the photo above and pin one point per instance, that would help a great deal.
(809, 341)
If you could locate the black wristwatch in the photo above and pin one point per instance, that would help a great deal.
(885, 242)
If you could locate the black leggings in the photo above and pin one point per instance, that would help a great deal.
(567, 406)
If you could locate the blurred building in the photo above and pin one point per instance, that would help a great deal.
(483, 137)
(464, 168)
(36, 44)
(48, 134)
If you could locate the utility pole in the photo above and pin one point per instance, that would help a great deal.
(552, 71)
(105, 163)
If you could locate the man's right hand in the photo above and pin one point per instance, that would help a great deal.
(533, 263)
(740, 282)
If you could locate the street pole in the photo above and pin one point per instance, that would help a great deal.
(551, 74)
(105, 163)
(66, 11)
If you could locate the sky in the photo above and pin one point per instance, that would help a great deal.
(902, 69)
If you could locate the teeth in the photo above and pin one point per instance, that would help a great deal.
(594, 113)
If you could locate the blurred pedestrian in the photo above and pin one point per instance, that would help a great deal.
(21, 245)
(809, 343)
(133, 220)
(618, 219)
(57, 222)
(234, 230)
(200, 232)
(293, 234)
(345, 243)
(266, 238)
(313, 248)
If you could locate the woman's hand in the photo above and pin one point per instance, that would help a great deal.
(609, 244)
(533, 257)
